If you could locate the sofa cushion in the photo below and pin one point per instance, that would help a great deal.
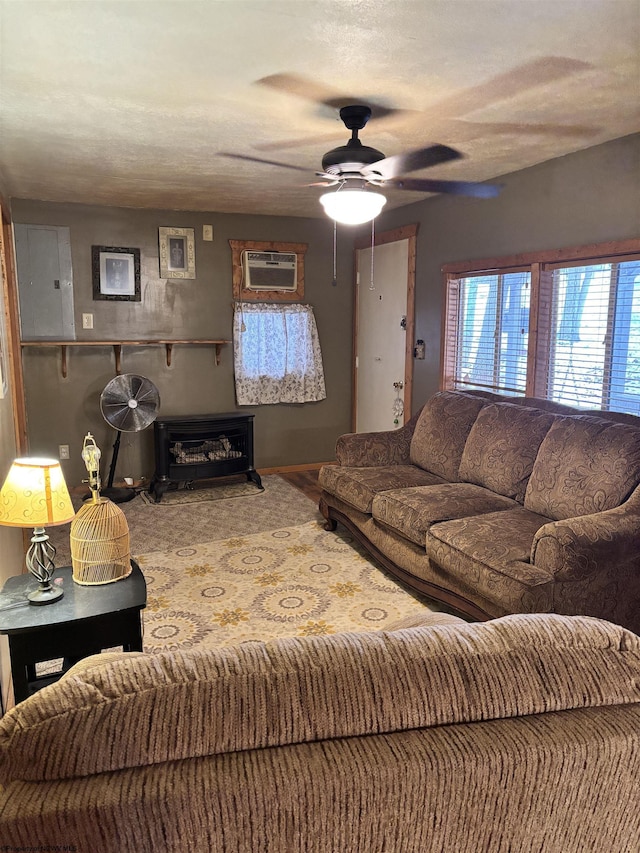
(495, 538)
(359, 486)
(151, 709)
(412, 511)
(490, 554)
(441, 432)
(502, 447)
(585, 464)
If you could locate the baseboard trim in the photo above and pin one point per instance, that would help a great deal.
(289, 469)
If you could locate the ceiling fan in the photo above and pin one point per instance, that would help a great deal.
(355, 167)
(453, 117)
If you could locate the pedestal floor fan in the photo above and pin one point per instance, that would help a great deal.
(129, 403)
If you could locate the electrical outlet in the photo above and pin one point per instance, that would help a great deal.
(207, 232)
(63, 451)
(87, 321)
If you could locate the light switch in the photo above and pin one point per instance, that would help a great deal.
(207, 232)
(87, 321)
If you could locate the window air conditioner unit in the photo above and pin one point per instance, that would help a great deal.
(270, 271)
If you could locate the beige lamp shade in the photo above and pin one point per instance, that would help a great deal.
(35, 494)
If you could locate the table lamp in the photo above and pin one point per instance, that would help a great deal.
(99, 533)
(36, 495)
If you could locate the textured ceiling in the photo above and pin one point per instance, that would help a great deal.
(131, 103)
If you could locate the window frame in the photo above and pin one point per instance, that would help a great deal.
(541, 266)
(240, 292)
(454, 352)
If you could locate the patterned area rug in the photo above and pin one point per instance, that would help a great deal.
(292, 581)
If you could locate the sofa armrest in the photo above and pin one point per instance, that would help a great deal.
(575, 548)
(369, 449)
(84, 665)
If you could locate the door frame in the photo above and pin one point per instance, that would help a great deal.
(9, 304)
(405, 232)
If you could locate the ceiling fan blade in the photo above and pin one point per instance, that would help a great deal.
(518, 128)
(411, 161)
(260, 160)
(296, 84)
(394, 119)
(426, 185)
(516, 81)
(302, 142)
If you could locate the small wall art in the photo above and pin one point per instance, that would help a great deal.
(116, 273)
(177, 252)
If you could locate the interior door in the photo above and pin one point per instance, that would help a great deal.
(383, 334)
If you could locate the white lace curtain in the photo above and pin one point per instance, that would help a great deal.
(276, 353)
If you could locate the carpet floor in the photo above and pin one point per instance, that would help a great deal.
(169, 524)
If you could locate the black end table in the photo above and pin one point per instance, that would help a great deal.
(85, 621)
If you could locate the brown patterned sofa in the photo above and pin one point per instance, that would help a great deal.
(521, 734)
(495, 505)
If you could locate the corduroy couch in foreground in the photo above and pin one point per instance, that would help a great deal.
(521, 734)
(497, 505)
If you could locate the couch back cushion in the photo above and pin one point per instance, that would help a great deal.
(502, 447)
(585, 464)
(148, 709)
(442, 431)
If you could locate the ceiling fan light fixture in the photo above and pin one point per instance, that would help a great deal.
(352, 207)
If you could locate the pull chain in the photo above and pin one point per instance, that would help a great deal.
(335, 252)
(373, 240)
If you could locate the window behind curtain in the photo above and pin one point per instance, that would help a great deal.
(594, 355)
(277, 357)
(487, 346)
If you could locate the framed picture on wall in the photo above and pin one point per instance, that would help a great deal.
(177, 252)
(116, 273)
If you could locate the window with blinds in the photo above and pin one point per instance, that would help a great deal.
(594, 355)
(491, 333)
(537, 325)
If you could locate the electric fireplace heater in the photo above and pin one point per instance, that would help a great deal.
(201, 447)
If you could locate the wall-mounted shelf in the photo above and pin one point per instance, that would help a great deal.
(117, 348)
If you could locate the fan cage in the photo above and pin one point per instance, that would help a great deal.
(100, 550)
(129, 402)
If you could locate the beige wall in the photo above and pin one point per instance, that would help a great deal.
(60, 411)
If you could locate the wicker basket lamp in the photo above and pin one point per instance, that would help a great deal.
(100, 551)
